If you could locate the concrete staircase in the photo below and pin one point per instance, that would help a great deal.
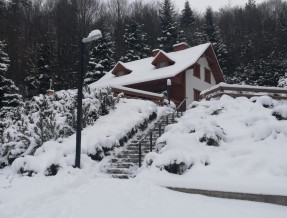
(126, 163)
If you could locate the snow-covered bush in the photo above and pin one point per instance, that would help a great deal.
(280, 112)
(45, 118)
(98, 140)
(225, 137)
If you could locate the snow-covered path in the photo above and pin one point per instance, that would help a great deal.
(80, 194)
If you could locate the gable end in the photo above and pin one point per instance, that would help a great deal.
(120, 70)
(160, 59)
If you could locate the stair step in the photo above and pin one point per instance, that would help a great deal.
(118, 171)
(122, 165)
(121, 176)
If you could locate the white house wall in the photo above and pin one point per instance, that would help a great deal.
(196, 83)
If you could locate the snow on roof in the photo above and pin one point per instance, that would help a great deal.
(143, 70)
(222, 84)
(137, 91)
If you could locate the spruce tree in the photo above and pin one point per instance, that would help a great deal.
(4, 59)
(40, 72)
(169, 28)
(101, 59)
(9, 97)
(187, 24)
(213, 35)
(135, 42)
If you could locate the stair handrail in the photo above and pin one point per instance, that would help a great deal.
(159, 124)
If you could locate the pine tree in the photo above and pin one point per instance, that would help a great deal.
(40, 72)
(9, 97)
(187, 24)
(169, 28)
(4, 60)
(101, 59)
(135, 42)
(213, 35)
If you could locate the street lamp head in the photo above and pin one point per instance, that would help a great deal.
(168, 82)
(94, 35)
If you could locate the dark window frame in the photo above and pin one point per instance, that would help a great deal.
(196, 71)
(207, 75)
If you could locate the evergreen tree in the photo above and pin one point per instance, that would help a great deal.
(101, 59)
(135, 42)
(169, 28)
(283, 81)
(9, 97)
(67, 37)
(213, 35)
(187, 24)
(40, 72)
(261, 72)
(4, 60)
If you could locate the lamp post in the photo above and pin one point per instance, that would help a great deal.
(94, 35)
(168, 89)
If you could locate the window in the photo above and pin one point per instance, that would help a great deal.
(207, 76)
(196, 95)
(196, 70)
(120, 73)
(161, 64)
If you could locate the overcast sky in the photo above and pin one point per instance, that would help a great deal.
(201, 5)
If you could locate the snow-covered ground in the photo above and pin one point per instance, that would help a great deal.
(247, 151)
(82, 194)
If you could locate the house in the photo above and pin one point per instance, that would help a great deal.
(191, 70)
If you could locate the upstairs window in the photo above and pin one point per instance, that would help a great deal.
(120, 73)
(207, 76)
(196, 71)
(161, 64)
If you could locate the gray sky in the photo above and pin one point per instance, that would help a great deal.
(201, 5)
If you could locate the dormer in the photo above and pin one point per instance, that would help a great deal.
(120, 69)
(162, 60)
(180, 46)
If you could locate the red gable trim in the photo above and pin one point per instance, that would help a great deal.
(120, 67)
(214, 64)
(162, 57)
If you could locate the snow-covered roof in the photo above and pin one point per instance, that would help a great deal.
(144, 71)
(137, 91)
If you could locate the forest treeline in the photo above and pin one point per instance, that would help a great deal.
(39, 39)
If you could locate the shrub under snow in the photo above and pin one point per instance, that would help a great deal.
(44, 118)
(226, 137)
(98, 140)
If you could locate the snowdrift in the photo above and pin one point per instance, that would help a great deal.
(224, 141)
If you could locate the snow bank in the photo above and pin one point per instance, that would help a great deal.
(229, 142)
(98, 140)
(82, 194)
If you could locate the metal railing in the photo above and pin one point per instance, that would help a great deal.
(150, 133)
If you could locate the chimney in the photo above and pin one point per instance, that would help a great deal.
(155, 52)
(180, 46)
